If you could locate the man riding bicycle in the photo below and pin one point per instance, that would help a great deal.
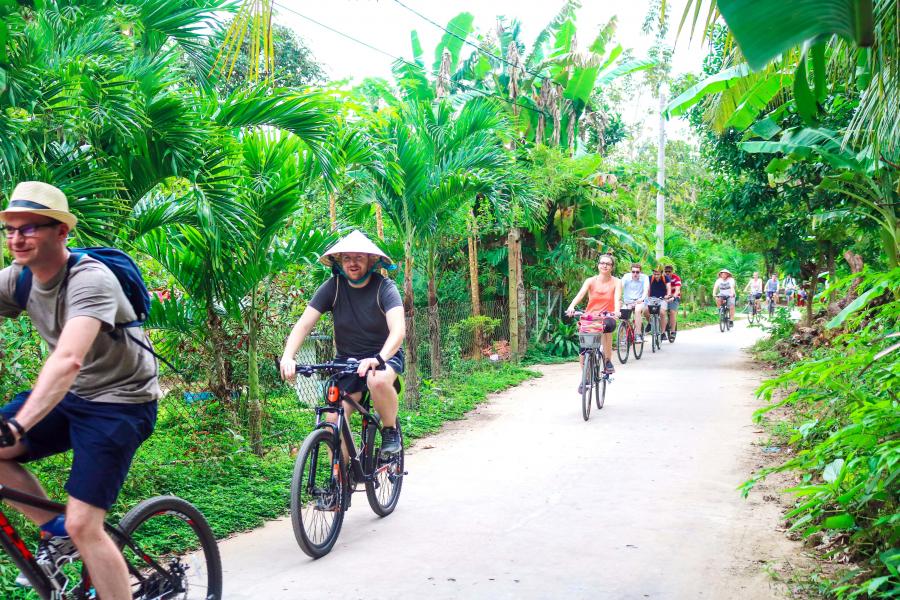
(661, 290)
(755, 288)
(635, 287)
(772, 288)
(725, 290)
(369, 325)
(604, 294)
(675, 302)
(96, 392)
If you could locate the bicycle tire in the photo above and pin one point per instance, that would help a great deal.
(771, 309)
(600, 386)
(389, 473)
(587, 370)
(653, 329)
(622, 339)
(672, 333)
(722, 319)
(318, 503)
(170, 530)
(637, 346)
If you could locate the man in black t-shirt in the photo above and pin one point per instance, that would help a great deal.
(369, 325)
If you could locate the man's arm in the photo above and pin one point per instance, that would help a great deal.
(301, 329)
(60, 370)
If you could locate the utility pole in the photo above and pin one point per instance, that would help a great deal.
(661, 177)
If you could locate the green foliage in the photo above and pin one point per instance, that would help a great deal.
(462, 333)
(563, 338)
(847, 445)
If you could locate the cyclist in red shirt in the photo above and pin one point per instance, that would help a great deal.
(675, 302)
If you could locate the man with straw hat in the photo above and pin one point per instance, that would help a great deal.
(725, 290)
(94, 393)
(369, 325)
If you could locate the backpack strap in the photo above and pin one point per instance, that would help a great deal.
(378, 295)
(26, 278)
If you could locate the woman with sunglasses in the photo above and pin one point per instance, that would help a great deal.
(604, 293)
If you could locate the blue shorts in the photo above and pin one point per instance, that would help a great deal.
(103, 436)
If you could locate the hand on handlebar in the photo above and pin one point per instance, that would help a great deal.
(8, 435)
(366, 365)
(288, 368)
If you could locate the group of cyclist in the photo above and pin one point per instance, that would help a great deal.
(634, 291)
(97, 391)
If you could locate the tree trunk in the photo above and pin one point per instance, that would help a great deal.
(512, 247)
(219, 384)
(520, 297)
(478, 338)
(253, 399)
(434, 325)
(379, 222)
(410, 379)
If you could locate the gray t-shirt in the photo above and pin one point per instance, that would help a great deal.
(114, 370)
(360, 326)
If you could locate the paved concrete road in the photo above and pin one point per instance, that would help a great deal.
(526, 500)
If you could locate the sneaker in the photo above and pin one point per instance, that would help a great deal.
(610, 369)
(638, 338)
(580, 389)
(53, 553)
(390, 441)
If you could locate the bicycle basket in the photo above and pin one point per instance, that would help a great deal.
(654, 308)
(589, 340)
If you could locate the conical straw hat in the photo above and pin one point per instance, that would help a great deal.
(41, 199)
(354, 242)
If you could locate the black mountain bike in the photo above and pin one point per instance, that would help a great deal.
(169, 548)
(770, 302)
(625, 337)
(724, 315)
(324, 479)
(593, 372)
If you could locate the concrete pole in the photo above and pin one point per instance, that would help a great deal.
(661, 178)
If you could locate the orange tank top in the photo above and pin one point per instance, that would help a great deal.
(601, 296)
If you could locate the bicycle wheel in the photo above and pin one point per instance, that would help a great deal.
(654, 327)
(600, 380)
(384, 492)
(637, 344)
(587, 383)
(176, 536)
(622, 342)
(723, 318)
(771, 309)
(318, 494)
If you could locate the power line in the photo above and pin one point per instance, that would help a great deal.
(406, 62)
(468, 43)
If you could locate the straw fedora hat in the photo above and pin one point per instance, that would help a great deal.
(41, 199)
(355, 242)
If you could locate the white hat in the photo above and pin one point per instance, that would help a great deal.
(355, 241)
(724, 271)
(41, 199)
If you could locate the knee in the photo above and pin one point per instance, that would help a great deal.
(83, 527)
(380, 383)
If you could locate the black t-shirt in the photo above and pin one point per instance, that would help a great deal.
(360, 326)
(658, 288)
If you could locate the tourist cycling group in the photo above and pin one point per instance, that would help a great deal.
(97, 391)
(610, 297)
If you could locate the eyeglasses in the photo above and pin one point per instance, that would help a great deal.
(29, 230)
(605, 263)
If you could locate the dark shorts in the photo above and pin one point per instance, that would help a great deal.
(354, 383)
(103, 437)
(674, 303)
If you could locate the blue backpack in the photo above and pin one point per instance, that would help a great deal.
(129, 277)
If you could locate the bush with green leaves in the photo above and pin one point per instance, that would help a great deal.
(464, 332)
(848, 441)
(563, 338)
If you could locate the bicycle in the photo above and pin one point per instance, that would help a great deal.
(770, 302)
(724, 314)
(752, 310)
(168, 546)
(593, 372)
(323, 481)
(626, 338)
(654, 305)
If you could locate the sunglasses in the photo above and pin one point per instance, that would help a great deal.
(29, 230)
(636, 272)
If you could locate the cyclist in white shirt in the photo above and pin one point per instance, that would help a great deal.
(725, 290)
(635, 286)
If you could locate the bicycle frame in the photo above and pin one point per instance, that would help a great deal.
(19, 552)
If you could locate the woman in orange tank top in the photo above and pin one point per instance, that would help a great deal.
(604, 294)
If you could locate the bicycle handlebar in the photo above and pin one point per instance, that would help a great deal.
(333, 367)
(7, 437)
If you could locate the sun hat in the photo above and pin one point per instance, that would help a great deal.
(41, 199)
(354, 242)
(724, 271)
